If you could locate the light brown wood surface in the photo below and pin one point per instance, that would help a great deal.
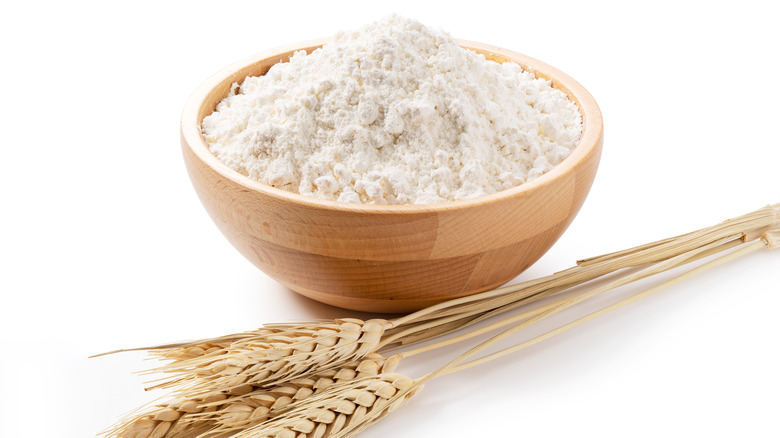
(393, 258)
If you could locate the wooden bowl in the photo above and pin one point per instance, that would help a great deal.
(389, 258)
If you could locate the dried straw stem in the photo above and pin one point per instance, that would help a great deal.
(556, 284)
(532, 316)
(768, 240)
(451, 315)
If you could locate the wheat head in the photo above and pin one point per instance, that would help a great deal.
(219, 411)
(281, 356)
(257, 406)
(167, 420)
(341, 411)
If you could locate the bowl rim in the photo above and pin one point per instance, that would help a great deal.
(590, 140)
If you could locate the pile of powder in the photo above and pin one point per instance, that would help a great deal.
(394, 113)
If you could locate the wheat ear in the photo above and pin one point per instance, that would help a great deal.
(257, 406)
(341, 411)
(272, 359)
(165, 420)
(223, 412)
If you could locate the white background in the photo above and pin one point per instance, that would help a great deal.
(104, 244)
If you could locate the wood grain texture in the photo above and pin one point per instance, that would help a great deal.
(394, 258)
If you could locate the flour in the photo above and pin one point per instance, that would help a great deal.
(394, 113)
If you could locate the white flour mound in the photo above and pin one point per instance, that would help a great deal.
(395, 113)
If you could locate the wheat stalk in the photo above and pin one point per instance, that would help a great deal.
(347, 409)
(242, 364)
(458, 313)
(769, 240)
(532, 316)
